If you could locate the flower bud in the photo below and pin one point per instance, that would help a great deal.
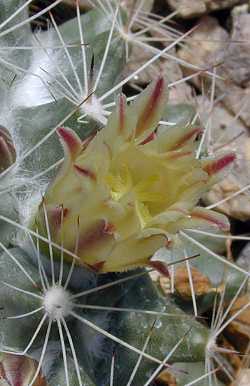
(18, 370)
(7, 149)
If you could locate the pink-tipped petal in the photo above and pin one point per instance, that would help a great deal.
(97, 267)
(212, 218)
(174, 155)
(175, 138)
(150, 138)
(218, 165)
(71, 142)
(84, 172)
(151, 104)
(56, 216)
(160, 267)
(94, 235)
(190, 135)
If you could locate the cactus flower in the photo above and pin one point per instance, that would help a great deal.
(126, 191)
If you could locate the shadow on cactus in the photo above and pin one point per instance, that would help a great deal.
(121, 196)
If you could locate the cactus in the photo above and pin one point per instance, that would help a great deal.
(93, 201)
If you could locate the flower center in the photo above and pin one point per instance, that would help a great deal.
(57, 303)
(143, 192)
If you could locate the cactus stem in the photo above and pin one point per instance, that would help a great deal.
(111, 284)
(123, 280)
(215, 255)
(133, 374)
(44, 172)
(38, 329)
(136, 310)
(116, 339)
(168, 356)
(202, 377)
(26, 21)
(45, 344)
(6, 250)
(36, 234)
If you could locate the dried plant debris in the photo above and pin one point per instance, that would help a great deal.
(189, 9)
(227, 132)
(243, 379)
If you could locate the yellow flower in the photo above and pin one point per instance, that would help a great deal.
(127, 191)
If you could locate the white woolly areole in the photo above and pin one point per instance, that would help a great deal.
(57, 303)
(93, 108)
